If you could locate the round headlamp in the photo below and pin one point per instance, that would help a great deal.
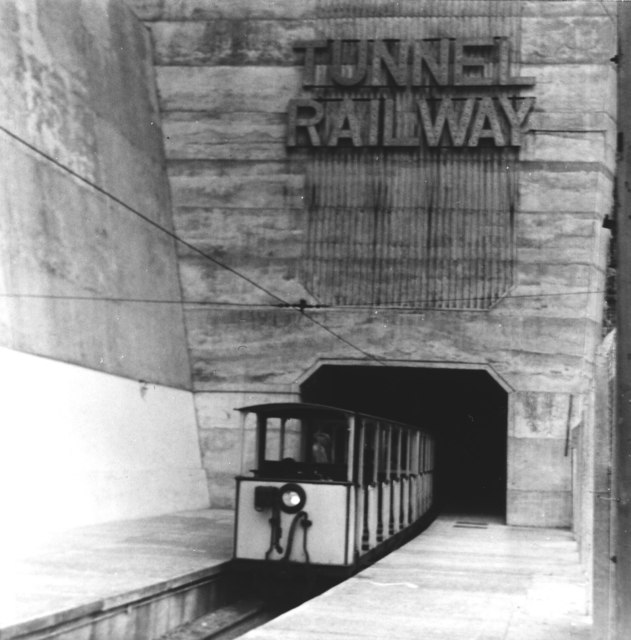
(292, 498)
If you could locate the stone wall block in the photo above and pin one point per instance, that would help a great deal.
(227, 89)
(559, 191)
(226, 137)
(564, 146)
(531, 335)
(255, 191)
(248, 235)
(579, 122)
(558, 281)
(223, 9)
(567, 39)
(545, 414)
(557, 278)
(575, 251)
(199, 277)
(529, 372)
(221, 450)
(281, 344)
(532, 301)
(573, 87)
(539, 464)
(219, 410)
(564, 9)
(229, 42)
(222, 488)
(605, 194)
(555, 228)
(257, 151)
(305, 9)
(539, 508)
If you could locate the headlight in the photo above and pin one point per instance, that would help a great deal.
(292, 498)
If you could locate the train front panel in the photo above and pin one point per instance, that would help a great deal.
(295, 522)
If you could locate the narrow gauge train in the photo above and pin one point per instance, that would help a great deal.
(333, 490)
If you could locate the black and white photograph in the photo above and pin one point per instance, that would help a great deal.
(315, 319)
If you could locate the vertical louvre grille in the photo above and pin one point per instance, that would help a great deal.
(429, 229)
(423, 228)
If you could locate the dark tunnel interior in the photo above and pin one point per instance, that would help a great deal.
(465, 409)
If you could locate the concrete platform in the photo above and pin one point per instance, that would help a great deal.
(128, 568)
(457, 581)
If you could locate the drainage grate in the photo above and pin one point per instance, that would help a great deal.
(463, 524)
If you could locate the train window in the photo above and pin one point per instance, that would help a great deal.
(283, 439)
(328, 442)
(293, 440)
(303, 448)
(248, 453)
(273, 439)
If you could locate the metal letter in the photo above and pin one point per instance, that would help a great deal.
(462, 61)
(381, 55)
(335, 71)
(516, 119)
(294, 121)
(309, 47)
(373, 123)
(439, 70)
(392, 138)
(486, 111)
(446, 113)
(346, 113)
(504, 67)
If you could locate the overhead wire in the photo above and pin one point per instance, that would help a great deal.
(401, 305)
(186, 243)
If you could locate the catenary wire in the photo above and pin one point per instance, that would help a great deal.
(185, 243)
(401, 305)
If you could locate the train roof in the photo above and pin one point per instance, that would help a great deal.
(294, 409)
(299, 409)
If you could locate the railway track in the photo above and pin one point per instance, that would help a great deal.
(227, 622)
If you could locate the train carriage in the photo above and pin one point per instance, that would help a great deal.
(332, 489)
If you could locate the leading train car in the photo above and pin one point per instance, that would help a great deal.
(332, 490)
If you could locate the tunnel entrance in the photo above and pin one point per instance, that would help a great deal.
(466, 410)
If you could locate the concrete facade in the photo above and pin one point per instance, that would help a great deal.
(226, 71)
(77, 86)
(117, 449)
(84, 132)
(98, 420)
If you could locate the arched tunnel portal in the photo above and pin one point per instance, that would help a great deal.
(466, 409)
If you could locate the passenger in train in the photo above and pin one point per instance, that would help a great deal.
(321, 447)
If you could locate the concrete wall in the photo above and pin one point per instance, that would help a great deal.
(226, 72)
(77, 94)
(79, 446)
(84, 280)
